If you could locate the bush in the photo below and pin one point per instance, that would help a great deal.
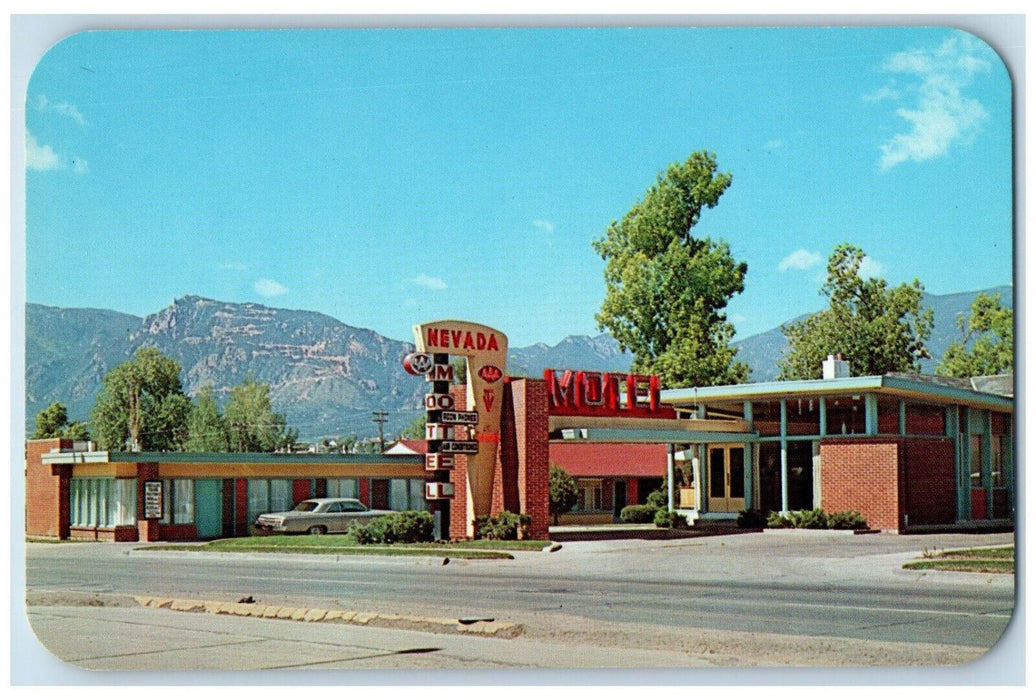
(505, 526)
(638, 514)
(407, 526)
(847, 520)
(658, 498)
(751, 519)
(669, 518)
(815, 519)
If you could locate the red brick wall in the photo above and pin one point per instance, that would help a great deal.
(931, 486)
(46, 490)
(863, 475)
(529, 397)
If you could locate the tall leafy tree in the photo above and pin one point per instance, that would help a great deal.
(52, 422)
(666, 289)
(206, 427)
(141, 405)
(876, 328)
(252, 423)
(990, 332)
(563, 494)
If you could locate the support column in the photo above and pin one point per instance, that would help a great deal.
(784, 455)
(670, 473)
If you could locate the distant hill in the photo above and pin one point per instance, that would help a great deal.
(324, 375)
(764, 350)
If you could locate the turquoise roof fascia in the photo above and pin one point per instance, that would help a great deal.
(647, 436)
(821, 387)
(261, 458)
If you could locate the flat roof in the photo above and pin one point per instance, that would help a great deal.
(913, 386)
(72, 457)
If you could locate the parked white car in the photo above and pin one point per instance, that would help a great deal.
(319, 516)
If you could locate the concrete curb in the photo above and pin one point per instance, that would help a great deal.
(481, 627)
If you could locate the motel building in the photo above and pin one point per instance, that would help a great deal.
(909, 452)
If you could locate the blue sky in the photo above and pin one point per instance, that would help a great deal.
(392, 177)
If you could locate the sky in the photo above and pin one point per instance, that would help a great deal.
(396, 176)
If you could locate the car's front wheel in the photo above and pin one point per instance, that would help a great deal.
(318, 530)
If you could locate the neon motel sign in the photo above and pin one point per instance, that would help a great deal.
(581, 393)
(475, 432)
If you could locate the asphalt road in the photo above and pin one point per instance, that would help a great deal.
(814, 584)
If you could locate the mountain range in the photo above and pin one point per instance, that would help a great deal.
(326, 377)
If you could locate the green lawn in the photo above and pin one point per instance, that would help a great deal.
(345, 544)
(987, 560)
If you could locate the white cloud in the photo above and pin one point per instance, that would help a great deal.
(773, 145)
(940, 114)
(63, 109)
(270, 288)
(801, 259)
(544, 225)
(429, 282)
(883, 93)
(236, 266)
(871, 268)
(80, 166)
(40, 156)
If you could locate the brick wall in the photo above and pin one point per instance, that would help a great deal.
(931, 485)
(863, 475)
(46, 490)
(529, 397)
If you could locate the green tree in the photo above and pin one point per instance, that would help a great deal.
(415, 431)
(252, 423)
(666, 290)
(563, 495)
(990, 331)
(52, 422)
(206, 427)
(141, 405)
(876, 328)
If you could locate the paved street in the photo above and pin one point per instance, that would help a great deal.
(622, 602)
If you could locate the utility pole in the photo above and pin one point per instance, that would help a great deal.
(380, 417)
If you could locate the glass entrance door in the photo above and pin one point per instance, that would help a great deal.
(726, 478)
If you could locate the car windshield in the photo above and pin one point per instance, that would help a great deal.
(306, 506)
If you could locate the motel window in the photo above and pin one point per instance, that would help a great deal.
(268, 496)
(343, 488)
(102, 502)
(975, 450)
(803, 416)
(766, 417)
(1000, 447)
(406, 494)
(178, 507)
(846, 415)
(589, 495)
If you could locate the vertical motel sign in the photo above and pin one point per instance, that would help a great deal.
(474, 433)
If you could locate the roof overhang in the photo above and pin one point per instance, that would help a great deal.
(892, 385)
(647, 430)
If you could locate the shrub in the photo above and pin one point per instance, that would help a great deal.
(505, 526)
(751, 518)
(563, 494)
(638, 514)
(815, 519)
(669, 518)
(407, 526)
(658, 498)
(776, 520)
(847, 520)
